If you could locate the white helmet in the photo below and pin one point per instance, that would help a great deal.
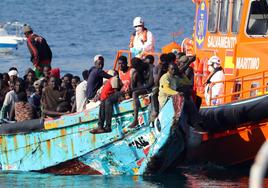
(214, 60)
(138, 21)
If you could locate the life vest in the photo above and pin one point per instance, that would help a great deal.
(40, 51)
(187, 46)
(143, 35)
(125, 79)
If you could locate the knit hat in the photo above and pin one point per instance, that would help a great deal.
(55, 72)
(27, 28)
(97, 57)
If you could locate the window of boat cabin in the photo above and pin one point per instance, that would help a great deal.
(254, 92)
(224, 15)
(213, 16)
(258, 18)
(236, 15)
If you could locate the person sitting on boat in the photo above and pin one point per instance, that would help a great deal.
(95, 80)
(143, 76)
(52, 96)
(35, 98)
(9, 100)
(22, 110)
(212, 89)
(29, 78)
(125, 77)
(41, 54)
(80, 92)
(46, 73)
(110, 94)
(142, 40)
(18, 88)
(4, 89)
(74, 82)
(13, 74)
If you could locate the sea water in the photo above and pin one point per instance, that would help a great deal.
(78, 30)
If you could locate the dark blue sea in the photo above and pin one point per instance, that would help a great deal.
(78, 30)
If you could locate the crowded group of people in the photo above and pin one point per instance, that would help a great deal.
(43, 92)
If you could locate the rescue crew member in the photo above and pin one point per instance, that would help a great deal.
(41, 54)
(212, 89)
(142, 40)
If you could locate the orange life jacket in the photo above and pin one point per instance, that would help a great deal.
(126, 79)
(144, 37)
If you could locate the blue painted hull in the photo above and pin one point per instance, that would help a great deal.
(68, 143)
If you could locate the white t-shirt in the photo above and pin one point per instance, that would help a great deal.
(80, 95)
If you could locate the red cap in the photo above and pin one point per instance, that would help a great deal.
(55, 72)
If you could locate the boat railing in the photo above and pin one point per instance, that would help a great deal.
(128, 54)
(251, 85)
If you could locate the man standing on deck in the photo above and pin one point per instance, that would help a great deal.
(142, 40)
(41, 54)
(214, 85)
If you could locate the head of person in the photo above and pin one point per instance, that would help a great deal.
(54, 83)
(171, 69)
(4, 84)
(27, 30)
(164, 63)
(149, 59)
(75, 81)
(38, 87)
(19, 85)
(213, 63)
(13, 74)
(171, 57)
(30, 75)
(85, 74)
(22, 96)
(67, 80)
(6, 76)
(99, 61)
(137, 64)
(11, 85)
(122, 63)
(46, 71)
(181, 58)
(138, 24)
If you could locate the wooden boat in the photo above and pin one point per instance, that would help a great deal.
(66, 146)
(237, 33)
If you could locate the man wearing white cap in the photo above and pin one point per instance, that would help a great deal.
(95, 77)
(212, 89)
(142, 40)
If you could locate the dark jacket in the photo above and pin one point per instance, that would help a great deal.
(95, 81)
